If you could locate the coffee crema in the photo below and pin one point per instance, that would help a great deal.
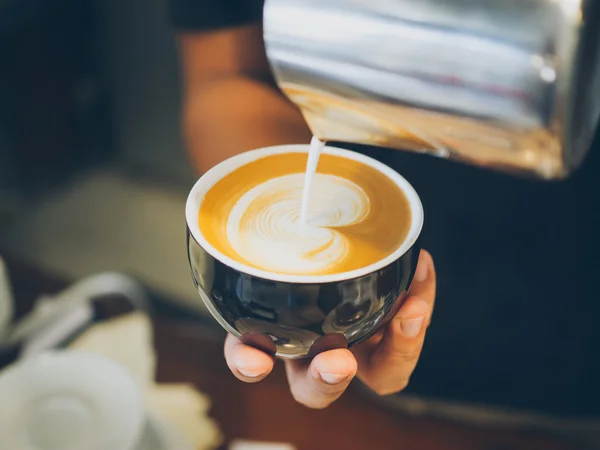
(357, 216)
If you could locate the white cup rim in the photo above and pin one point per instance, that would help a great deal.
(210, 178)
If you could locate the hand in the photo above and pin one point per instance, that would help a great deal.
(384, 363)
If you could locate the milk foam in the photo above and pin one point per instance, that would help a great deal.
(314, 153)
(265, 225)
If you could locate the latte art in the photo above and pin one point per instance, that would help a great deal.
(265, 224)
(356, 215)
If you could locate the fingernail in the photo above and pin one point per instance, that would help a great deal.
(422, 271)
(251, 373)
(333, 378)
(411, 327)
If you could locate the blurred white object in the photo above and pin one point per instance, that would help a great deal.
(185, 410)
(252, 445)
(177, 414)
(127, 340)
(55, 333)
(6, 301)
(159, 435)
(55, 318)
(48, 309)
(69, 401)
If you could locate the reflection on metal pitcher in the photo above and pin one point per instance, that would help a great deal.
(509, 85)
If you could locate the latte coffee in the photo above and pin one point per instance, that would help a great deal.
(358, 213)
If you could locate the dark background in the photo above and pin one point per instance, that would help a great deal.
(85, 83)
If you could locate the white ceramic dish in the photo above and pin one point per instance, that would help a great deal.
(158, 435)
(69, 401)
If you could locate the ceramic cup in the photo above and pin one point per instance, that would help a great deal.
(297, 316)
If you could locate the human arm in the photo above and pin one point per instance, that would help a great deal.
(230, 101)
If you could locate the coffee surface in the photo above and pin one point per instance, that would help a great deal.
(357, 216)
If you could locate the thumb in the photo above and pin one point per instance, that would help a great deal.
(395, 358)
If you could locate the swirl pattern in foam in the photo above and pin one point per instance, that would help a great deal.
(357, 215)
(264, 225)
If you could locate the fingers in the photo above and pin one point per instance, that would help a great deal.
(315, 384)
(386, 361)
(247, 363)
(320, 382)
(387, 367)
(424, 281)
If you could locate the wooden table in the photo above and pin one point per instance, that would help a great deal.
(189, 352)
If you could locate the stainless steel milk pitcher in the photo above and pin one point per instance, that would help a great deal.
(511, 85)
